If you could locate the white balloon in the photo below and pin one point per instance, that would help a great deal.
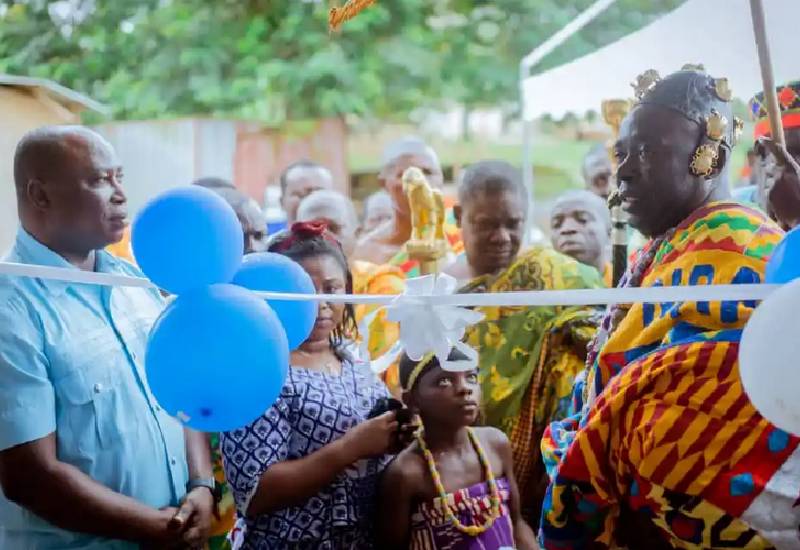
(769, 358)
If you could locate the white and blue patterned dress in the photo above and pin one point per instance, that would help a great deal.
(313, 410)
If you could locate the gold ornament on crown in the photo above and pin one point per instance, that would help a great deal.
(645, 82)
(428, 244)
(723, 89)
(340, 15)
(716, 125)
(699, 67)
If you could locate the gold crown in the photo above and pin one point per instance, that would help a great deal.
(645, 82)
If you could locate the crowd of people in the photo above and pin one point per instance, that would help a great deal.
(579, 428)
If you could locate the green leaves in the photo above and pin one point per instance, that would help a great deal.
(275, 60)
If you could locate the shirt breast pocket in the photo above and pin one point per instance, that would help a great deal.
(91, 412)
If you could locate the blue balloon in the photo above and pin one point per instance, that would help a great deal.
(217, 358)
(267, 271)
(784, 264)
(187, 238)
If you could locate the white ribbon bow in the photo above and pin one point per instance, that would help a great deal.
(425, 327)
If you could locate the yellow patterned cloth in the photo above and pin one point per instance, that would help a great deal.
(529, 356)
(671, 454)
(379, 279)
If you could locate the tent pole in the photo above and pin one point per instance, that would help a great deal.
(525, 65)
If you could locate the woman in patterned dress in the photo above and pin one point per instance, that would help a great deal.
(304, 474)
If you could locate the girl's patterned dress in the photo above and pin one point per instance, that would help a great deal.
(431, 530)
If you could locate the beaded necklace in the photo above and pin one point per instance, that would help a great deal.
(494, 493)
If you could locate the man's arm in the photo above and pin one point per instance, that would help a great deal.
(198, 507)
(32, 477)
(30, 473)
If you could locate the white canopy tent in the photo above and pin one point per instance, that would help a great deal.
(716, 33)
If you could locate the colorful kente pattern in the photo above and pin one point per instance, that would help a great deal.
(384, 279)
(529, 356)
(671, 440)
(432, 530)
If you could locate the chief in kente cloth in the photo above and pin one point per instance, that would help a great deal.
(664, 449)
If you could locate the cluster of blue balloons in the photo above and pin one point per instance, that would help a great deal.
(218, 355)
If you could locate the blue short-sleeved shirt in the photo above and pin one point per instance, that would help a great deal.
(72, 362)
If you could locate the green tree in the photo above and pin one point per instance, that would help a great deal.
(275, 60)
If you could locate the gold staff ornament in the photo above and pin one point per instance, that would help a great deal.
(340, 15)
(428, 244)
(614, 111)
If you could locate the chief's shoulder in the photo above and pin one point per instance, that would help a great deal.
(730, 215)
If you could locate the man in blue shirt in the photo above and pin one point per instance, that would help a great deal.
(87, 457)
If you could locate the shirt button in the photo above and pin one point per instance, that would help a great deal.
(173, 461)
(133, 355)
(98, 387)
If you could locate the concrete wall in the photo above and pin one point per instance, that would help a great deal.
(21, 110)
(158, 155)
(263, 153)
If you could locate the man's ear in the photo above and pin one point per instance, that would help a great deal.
(457, 213)
(36, 193)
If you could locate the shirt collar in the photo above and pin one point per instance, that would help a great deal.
(31, 251)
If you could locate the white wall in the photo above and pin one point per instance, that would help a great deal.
(158, 155)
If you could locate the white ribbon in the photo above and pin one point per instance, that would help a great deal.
(425, 327)
(580, 297)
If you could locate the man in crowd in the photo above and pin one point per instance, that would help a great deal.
(378, 210)
(251, 217)
(338, 213)
(528, 356)
(597, 171)
(776, 169)
(666, 450)
(580, 226)
(385, 245)
(87, 457)
(298, 181)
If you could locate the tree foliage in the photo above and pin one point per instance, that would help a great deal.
(274, 60)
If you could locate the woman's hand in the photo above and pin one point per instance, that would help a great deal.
(374, 437)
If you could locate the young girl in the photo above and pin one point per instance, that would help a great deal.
(304, 474)
(454, 487)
